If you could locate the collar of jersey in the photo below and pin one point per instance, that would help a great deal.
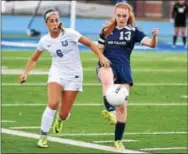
(120, 28)
(60, 34)
(127, 27)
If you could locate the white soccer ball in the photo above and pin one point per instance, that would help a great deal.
(117, 95)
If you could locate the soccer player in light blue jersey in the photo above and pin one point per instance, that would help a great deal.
(116, 41)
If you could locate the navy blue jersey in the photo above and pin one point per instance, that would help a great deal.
(120, 43)
(180, 12)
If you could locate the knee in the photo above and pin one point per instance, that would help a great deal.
(53, 104)
(107, 82)
(184, 34)
(121, 114)
(122, 110)
(176, 34)
(106, 76)
(64, 116)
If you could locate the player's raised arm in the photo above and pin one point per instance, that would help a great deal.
(29, 66)
(151, 42)
(103, 60)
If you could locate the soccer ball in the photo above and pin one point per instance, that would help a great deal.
(117, 95)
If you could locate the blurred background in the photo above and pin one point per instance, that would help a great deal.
(157, 108)
(22, 19)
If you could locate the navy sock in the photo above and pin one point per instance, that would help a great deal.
(119, 130)
(108, 106)
(174, 40)
(43, 133)
(184, 40)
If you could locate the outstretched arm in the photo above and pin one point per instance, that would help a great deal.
(103, 60)
(151, 42)
(29, 66)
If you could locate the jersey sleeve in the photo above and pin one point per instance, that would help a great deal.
(139, 35)
(75, 35)
(174, 10)
(101, 39)
(40, 46)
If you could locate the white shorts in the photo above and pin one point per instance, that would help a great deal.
(73, 83)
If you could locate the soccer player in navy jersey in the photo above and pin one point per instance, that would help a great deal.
(179, 16)
(116, 41)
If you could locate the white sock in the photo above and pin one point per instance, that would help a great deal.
(47, 119)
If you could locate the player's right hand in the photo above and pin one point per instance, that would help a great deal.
(105, 62)
(22, 78)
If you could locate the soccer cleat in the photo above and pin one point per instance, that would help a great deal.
(119, 145)
(42, 142)
(57, 127)
(109, 116)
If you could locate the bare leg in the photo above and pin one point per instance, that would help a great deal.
(106, 77)
(67, 103)
(54, 94)
(121, 114)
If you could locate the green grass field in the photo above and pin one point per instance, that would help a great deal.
(157, 107)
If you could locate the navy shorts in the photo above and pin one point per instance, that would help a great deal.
(180, 23)
(122, 74)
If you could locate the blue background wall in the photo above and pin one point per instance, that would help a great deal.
(88, 27)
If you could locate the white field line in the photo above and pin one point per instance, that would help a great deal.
(25, 127)
(167, 148)
(111, 141)
(97, 84)
(185, 96)
(19, 71)
(100, 104)
(110, 134)
(67, 141)
(94, 59)
(45, 72)
(7, 121)
(46, 58)
(100, 134)
(148, 70)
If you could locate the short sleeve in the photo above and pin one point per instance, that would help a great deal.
(101, 39)
(40, 45)
(139, 35)
(75, 35)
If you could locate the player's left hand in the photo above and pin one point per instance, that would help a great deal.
(155, 31)
(104, 61)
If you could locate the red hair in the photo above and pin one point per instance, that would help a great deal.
(109, 27)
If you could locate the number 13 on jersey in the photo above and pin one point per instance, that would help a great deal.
(125, 36)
